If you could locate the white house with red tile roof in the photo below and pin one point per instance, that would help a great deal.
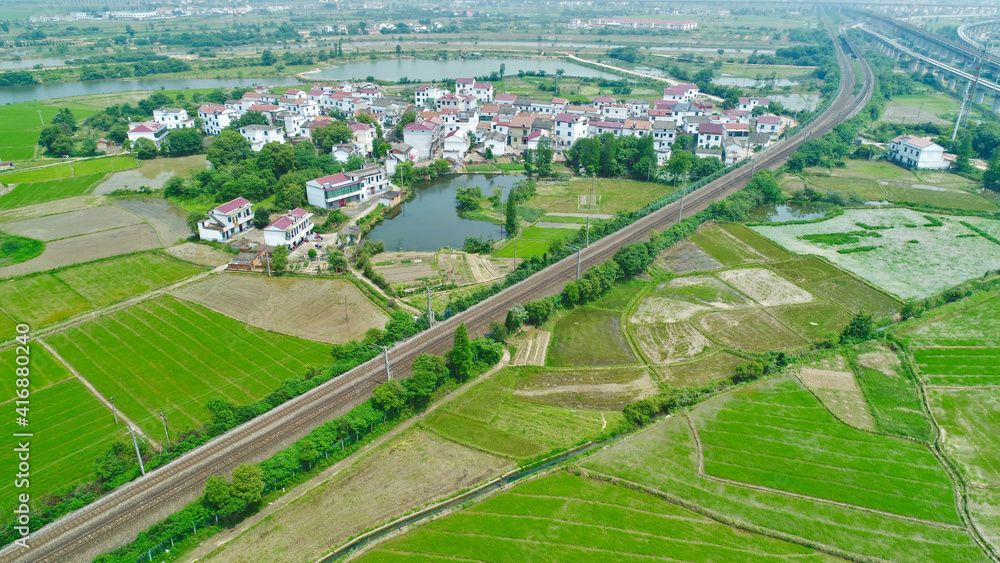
(681, 92)
(569, 127)
(535, 136)
(302, 106)
(426, 137)
(595, 128)
(294, 93)
(289, 230)
(338, 190)
(737, 115)
(216, 117)
(173, 118)
(456, 145)
(601, 101)
(483, 91)
(710, 135)
(227, 220)
(364, 136)
(917, 152)
(464, 85)
(770, 124)
(750, 103)
(505, 99)
(148, 130)
(735, 129)
(615, 111)
(426, 95)
(637, 127)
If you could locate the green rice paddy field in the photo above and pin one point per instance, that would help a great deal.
(175, 355)
(30, 193)
(563, 517)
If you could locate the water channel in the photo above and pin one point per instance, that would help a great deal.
(429, 220)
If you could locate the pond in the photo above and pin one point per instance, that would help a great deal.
(17, 94)
(791, 211)
(428, 69)
(429, 220)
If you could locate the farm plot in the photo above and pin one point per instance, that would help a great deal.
(813, 321)
(16, 249)
(976, 326)
(65, 225)
(531, 348)
(602, 389)
(39, 300)
(777, 435)
(175, 355)
(706, 290)
(838, 392)
(765, 287)
(915, 257)
(563, 517)
(535, 241)
(685, 257)
(199, 254)
(725, 248)
(490, 417)
(40, 192)
(753, 330)
(713, 367)
(76, 429)
(664, 310)
(984, 506)
(667, 343)
(45, 370)
(959, 366)
(970, 421)
(892, 397)
(38, 174)
(589, 337)
(304, 307)
(86, 248)
(169, 220)
(104, 165)
(104, 282)
(665, 457)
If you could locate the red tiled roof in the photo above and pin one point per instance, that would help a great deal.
(233, 205)
(710, 128)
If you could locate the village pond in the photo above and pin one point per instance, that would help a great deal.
(429, 220)
(782, 213)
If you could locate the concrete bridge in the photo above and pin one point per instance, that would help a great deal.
(968, 32)
(947, 73)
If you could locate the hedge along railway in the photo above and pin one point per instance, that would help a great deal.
(116, 517)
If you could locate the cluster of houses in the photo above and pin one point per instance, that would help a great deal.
(634, 23)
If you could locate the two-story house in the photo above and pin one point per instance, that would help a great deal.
(289, 230)
(260, 135)
(227, 220)
(338, 190)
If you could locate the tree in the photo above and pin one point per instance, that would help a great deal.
(542, 157)
(609, 157)
(267, 58)
(503, 68)
(389, 395)
(229, 147)
(335, 133)
(538, 311)
(991, 177)
(248, 483)
(118, 133)
(249, 118)
(279, 259)
(65, 118)
(467, 199)
(498, 331)
(513, 224)
(145, 149)
(763, 181)
(461, 353)
(399, 50)
(338, 263)
(488, 153)
(193, 218)
(404, 120)
(182, 141)
(860, 329)
(218, 497)
(680, 162)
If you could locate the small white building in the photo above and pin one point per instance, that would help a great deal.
(425, 137)
(148, 130)
(710, 135)
(426, 95)
(364, 136)
(173, 118)
(260, 135)
(216, 117)
(917, 152)
(681, 92)
(456, 144)
(227, 220)
(747, 104)
(569, 127)
(338, 190)
(770, 124)
(535, 136)
(289, 230)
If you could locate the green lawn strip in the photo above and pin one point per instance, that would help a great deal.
(105, 282)
(620, 295)
(780, 436)
(71, 429)
(45, 370)
(40, 174)
(984, 506)
(587, 336)
(104, 165)
(563, 219)
(15, 249)
(481, 436)
(39, 300)
(970, 419)
(664, 458)
(40, 192)
(561, 515)
(525, 248)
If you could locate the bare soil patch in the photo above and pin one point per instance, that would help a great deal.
(686, 256)
(308, 308)
(405, 267)
(85, 248)
(531, 348)
(601, 389)
(669, 343)
(64, 225)
(828, 379)
(766, 287)
(882, 360)
(749, 329)
(169, 220)
(707, 290)
(200, 254)
(424, 467)
(663, 310)
(839, 392)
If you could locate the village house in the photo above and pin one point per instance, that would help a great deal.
(747, 104)
(173, 118)
(148, 130)
(260, 135)
(710, 135)
(426, 95)
(216, 117)
(595, 128)
(518, 131)
(227, 220)
(425, 137)
(496, 142)
(916, 152)
(456, 144)
(535, 137)
(770, 124)
(289, 230)
(390, 198)
(364, 136)
(681, 92)
(569, 128)
(338, 190)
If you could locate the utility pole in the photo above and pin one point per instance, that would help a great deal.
(136, 444)
(165, 431)
(680, 211)
(588, 231)
(578, 252)
(593, 182)
(114, 410)
(515, 254)
(40, 118)
(347, 315)
(385, 356)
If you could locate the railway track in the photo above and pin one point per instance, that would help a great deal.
(102, 525)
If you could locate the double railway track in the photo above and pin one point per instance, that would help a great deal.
(117, 516)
